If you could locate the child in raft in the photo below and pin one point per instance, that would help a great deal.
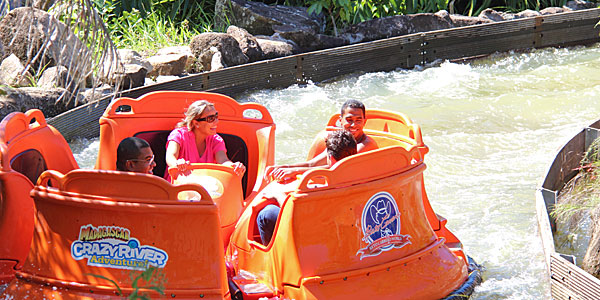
(352, 119)
(339, 144)
(195, 140)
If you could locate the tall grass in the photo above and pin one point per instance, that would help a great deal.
(580, 198)
(146, 26)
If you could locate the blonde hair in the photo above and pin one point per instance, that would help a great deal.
(193, 112)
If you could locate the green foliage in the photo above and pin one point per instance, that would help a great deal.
(154, 280)
(581, 196)
(147, 27)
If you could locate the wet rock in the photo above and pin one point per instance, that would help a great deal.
(25, 31)
(580, 4)
(52, 101)
(12, 72)
(395, 26)
(248, 43)
(169, 64)
(259, 18)
(184, 50)
(224, 43)
(273, 48)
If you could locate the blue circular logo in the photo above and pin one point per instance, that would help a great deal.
(380, 218)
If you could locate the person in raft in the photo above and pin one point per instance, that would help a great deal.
(195, 140)
(339, 144)
(352, 119)
(135, 155)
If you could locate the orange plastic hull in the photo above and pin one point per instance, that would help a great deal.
(325, 243)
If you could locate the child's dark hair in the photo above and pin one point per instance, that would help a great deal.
(353, 104)
(129, 148)
(340, 144)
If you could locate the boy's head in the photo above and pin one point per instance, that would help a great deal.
(353, 118)
(135, 155)
(340, 144)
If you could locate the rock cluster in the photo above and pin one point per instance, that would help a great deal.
(40, 53)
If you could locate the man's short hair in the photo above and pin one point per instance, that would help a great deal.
(129, 148)
(352, 103)
(340, 144)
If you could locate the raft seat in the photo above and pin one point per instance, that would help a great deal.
(85, 213)
(28, 147)
(237, 150)
(247, 128)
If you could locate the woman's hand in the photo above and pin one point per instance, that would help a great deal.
(238, 168)
(182, 165)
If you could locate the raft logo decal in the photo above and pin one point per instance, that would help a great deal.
(380, 224)
(113, 247)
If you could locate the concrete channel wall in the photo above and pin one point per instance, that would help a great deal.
(564, 29)
(568, 281)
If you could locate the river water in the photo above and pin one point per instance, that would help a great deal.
(493, 126)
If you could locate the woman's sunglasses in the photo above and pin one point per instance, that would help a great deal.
(210, 118)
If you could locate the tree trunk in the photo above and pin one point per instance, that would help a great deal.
(591, 261)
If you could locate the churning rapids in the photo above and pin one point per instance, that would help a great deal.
(493, 126)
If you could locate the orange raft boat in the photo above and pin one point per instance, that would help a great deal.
(97, 226)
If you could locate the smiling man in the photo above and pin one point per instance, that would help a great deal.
(352, 119)
(135, 155)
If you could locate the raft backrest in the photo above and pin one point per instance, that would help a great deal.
(248, 139)
(33, 146)
(28, 146)
(185, 234)
(380, 123)
(326, 238)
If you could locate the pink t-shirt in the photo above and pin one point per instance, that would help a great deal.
(188, 150)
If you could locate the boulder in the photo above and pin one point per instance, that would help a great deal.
(216, 62)
(95, 94)
(580, 4)
(184, 50)
(247, 42)
(129, 76)
(395, 26)
(12, 72)
(259, 18)
(273, 48)
(55, 77)
(460, 20)
(132, 57)
(49, 100)
(27, 31)
(528, 13)
(495, 16)
(224, 43)
(554, 10)
(168, 64)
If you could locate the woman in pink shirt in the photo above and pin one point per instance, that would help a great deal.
(195, 140)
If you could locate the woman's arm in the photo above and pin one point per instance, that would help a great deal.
(238, 167)
(171, 157)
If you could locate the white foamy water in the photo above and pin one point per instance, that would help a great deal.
(493, 126)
